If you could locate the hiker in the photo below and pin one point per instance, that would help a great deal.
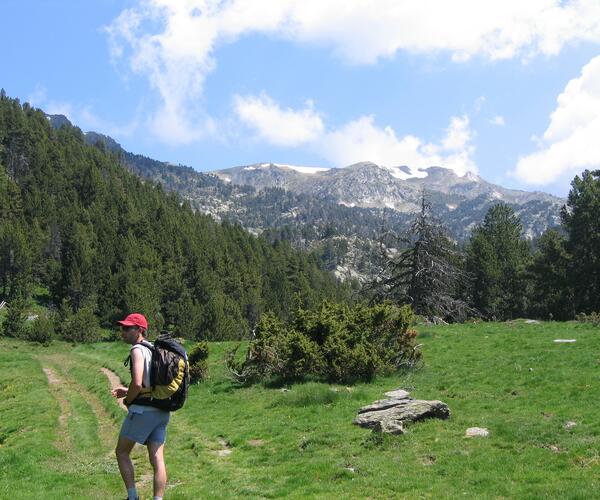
(143, 424)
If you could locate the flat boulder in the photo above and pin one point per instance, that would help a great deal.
(390, 415)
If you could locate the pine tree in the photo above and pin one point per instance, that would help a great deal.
(552, 295)
(580, 218)
(15, 261)
(497, 258)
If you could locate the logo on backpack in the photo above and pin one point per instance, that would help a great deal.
(169, 374)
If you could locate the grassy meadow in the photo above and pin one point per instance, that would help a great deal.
(58, 424)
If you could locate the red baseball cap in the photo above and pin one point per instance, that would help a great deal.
(135, 319)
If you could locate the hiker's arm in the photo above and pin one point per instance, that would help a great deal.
(137, 365)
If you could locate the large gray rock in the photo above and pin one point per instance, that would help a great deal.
(390, 415)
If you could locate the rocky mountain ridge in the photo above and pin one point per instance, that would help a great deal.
(369, 185)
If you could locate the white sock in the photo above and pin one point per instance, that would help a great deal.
(131, 493)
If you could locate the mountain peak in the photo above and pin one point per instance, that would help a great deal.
(58, 121)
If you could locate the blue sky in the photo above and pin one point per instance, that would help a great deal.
(509, 90)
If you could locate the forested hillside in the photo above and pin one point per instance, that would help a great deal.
(73, 221)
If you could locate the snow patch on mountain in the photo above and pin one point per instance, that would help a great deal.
(404, 172)
(302, 170)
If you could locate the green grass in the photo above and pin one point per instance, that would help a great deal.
(509, 377)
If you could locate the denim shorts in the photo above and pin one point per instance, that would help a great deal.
(145, 424)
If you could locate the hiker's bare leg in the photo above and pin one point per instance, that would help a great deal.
(157, 459)
(124, 447)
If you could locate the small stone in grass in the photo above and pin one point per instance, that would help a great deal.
(569, 425)
(397, 394)
(477, 432)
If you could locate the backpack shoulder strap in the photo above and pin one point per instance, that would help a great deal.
(147, 344)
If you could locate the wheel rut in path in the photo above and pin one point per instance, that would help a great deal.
(63, 441)
(58, 370)
(115, 381)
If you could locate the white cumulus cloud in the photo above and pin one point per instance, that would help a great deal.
(363, 140)
(357, 140)
(172, 42)
(278, 126)
(571, 141)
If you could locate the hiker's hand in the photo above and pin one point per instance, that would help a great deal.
(119, 392)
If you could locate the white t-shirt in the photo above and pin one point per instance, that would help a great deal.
(147, 355)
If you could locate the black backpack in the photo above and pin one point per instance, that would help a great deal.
(169, 375)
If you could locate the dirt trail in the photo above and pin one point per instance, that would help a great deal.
(63, 441)
(107, 430)
(106, 427)
(115, 382)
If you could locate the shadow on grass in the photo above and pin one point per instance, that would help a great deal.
(377, 440)
(225, 386)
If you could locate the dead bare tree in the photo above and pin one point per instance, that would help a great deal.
(423, 268)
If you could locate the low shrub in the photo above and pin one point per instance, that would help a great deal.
(41, 330)
(198, 362)
(336, 343)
